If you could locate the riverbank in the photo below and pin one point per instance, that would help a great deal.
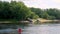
(45, 20)
(41, 21)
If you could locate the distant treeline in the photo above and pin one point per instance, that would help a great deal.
(19, 11)
(47, 13)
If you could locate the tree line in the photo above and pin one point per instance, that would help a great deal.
(19, 11)
(51, 13)
(15, 10)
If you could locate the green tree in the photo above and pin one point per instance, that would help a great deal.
(33, 16)
(20, 11)
(14, 10)
(47, 13)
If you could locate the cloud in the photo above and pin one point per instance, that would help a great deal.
(41, 3)
(36, 3)
(57, 1)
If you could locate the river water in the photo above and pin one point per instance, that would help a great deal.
(43, 29)
(37, 29)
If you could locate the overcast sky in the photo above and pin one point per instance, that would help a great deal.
(41, 3)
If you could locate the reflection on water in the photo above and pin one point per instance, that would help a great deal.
(37, 29)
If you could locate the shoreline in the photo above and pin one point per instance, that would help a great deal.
(33, 21)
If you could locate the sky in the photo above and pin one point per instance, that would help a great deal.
(41, 3)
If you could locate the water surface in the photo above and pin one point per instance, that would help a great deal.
(43, 29)
(35, 29)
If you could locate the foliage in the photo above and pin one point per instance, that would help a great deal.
(47, 13)
(19, 11)
(14, 10)
(33, 16)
